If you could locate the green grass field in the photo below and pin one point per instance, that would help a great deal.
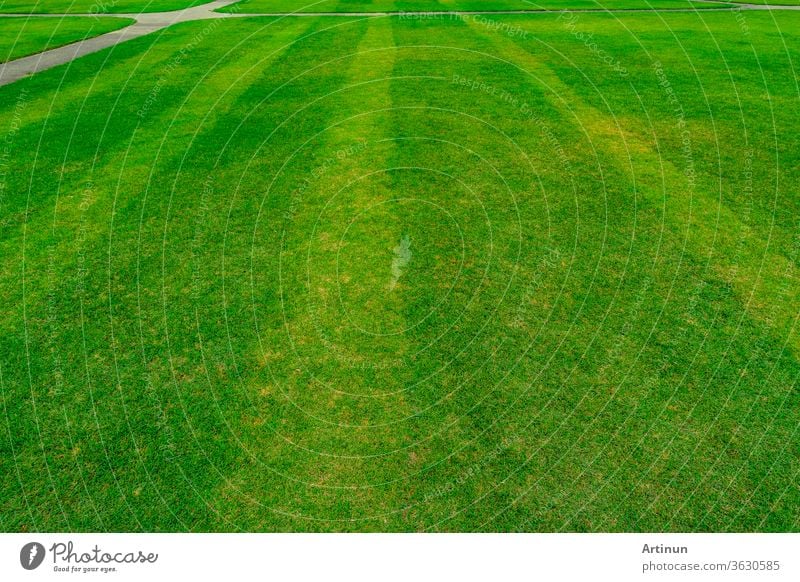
(770, 2)
(526, 273)
(93, 6)
(281, 6)
(20, 37)
(285, 6)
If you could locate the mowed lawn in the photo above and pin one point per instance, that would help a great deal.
(20, 37)
(381, 274)
(93, 6)
(775, 3)
(286, 6)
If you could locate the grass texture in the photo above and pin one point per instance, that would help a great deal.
(382, 274)
(93, 6)
(286, 6)
(20, 37)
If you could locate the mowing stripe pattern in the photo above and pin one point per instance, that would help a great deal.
(371, 274)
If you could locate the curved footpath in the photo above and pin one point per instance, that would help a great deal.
(154, 21)
(146, 23)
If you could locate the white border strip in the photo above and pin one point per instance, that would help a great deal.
(402, 557)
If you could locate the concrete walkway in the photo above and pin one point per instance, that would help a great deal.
(145, 24)
(153, 21)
